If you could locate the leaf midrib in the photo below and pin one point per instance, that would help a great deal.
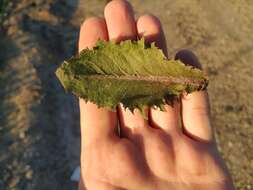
(152, 79)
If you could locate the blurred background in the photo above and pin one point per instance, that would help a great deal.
(39, 123)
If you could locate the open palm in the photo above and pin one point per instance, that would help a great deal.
(146, 154)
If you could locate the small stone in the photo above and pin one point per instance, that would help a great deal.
(14, 182)
(29, 174)
(229, 108)
(22, 135)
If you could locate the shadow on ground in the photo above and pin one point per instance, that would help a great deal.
(39, 123)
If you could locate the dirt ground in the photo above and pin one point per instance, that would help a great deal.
(39, 123)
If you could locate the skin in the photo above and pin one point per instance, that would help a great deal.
(153, 154)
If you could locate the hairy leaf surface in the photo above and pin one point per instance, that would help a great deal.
(131, 73)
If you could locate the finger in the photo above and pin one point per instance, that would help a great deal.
(96, 123)
(92, 29)
(120, 20)
(150, 28)
(195, 107)
(121, 25)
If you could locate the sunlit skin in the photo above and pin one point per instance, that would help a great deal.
(153, 154)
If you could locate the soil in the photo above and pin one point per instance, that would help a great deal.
(39, 123)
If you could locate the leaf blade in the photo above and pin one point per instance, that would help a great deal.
(129, 73)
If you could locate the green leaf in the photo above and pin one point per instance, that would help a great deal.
(131, 73)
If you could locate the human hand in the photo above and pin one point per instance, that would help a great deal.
(147, 155)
